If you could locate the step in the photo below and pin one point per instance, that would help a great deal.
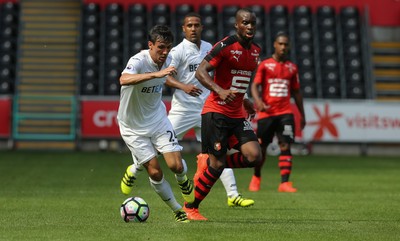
(386, 62)
(43, 130)
(46, 81)
(57, 87)
(387, 73)
(54, 67)
(386, 45)
(385, 48)
(63, 19)
(45, 145)
(388, 86)
(48, 72)
(388, 98)
(47, 47)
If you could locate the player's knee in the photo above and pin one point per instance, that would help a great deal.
(254, 157)
(155, 174)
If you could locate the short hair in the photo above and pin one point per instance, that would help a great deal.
(191, 14)
(161, 33)
(248, 10)
(281, 34)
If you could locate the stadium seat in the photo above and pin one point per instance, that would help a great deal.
(228, 19)
(90, 40)
(355, 91)
(113, 48)
(9, 12)
(161, 14)
(308, 89)
(209, 15)
(181, 11)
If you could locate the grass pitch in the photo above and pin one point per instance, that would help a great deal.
(75, 196)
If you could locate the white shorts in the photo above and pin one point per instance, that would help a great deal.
(182, 123)
(144, 147)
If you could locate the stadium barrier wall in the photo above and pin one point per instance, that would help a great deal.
(327, 121)
(5, 117)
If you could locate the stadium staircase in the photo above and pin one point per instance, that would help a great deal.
(44, 111)
(386, 61)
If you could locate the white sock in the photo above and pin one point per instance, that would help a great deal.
(181, 177)
(163, 189)
(136, 169)
(228, 180)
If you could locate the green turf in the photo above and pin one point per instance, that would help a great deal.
(75, 196)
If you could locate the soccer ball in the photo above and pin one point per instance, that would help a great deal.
(134, 209)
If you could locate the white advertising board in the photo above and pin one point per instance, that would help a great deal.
(351, 121)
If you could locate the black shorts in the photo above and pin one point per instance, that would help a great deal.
(281, 125)
(219, 132)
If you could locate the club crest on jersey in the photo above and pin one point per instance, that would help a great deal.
(290, 67)
(217, 146)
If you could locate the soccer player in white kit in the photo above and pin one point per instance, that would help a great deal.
(189, 96)
(143, 121)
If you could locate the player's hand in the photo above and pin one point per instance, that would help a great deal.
(227, 95)
(167, 71)
(249, 107)
(192, 90)
(261, 106)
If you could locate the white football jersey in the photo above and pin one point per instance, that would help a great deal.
(141, 106)
(186, 57)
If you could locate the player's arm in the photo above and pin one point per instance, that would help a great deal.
(298, 99)
(187, 88)
(256, 92)
(133, 79)
(204, 77)
(249, 107)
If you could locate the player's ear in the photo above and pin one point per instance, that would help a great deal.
(150, 44)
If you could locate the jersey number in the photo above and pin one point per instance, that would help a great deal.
(240, 84)
(278, 90)
(172, 136)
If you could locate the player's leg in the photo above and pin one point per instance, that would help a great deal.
(131, 174)
(286, 137)
(133, 170)
(250, 151)
(166, 143)
(235, 199)
(265, 135)
(215, 143)
(163, 189)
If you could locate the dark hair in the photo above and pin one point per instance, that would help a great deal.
(281, 34)
(248, 10)
(191, 14)
(161, 33)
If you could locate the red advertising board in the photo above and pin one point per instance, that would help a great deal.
(5, 117)
(99, 119)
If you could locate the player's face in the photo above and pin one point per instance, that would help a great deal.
(281, 46)
(159, 51)
(246, 25)
(192, 29)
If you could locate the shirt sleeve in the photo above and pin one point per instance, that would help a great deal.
(260, 73)
(133, 66)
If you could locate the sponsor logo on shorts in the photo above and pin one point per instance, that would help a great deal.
(247, 126)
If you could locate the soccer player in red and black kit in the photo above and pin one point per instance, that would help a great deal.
(276, 80)
(233, 60)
